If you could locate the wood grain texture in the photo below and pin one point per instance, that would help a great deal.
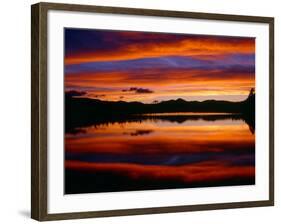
(34, 113)
(271, 111)
(39, 204)
(38, 112)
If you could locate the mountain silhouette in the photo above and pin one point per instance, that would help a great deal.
(81, 111)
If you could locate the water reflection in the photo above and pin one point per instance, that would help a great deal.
(160, 151)
(168, 117)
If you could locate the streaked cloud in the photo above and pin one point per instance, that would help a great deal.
(192, 67)
(93, 45)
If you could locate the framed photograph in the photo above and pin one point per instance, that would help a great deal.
(138, 111)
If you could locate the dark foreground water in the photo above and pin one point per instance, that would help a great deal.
(160, 151)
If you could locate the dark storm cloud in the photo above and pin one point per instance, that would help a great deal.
(74, 93)
(138, 90)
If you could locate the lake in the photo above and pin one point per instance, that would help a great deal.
(160, 151)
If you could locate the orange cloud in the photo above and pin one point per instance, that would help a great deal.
(198, 47)
(151, 76)
(174, 83)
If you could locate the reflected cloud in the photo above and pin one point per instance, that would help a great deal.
(98, 177)
(138, 132)
(166, 117)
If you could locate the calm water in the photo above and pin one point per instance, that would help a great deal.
(160, 152)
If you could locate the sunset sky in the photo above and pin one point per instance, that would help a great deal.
(147, 67)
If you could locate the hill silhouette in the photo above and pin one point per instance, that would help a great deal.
(81, 111)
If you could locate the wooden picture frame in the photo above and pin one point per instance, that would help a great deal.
(39, 108)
